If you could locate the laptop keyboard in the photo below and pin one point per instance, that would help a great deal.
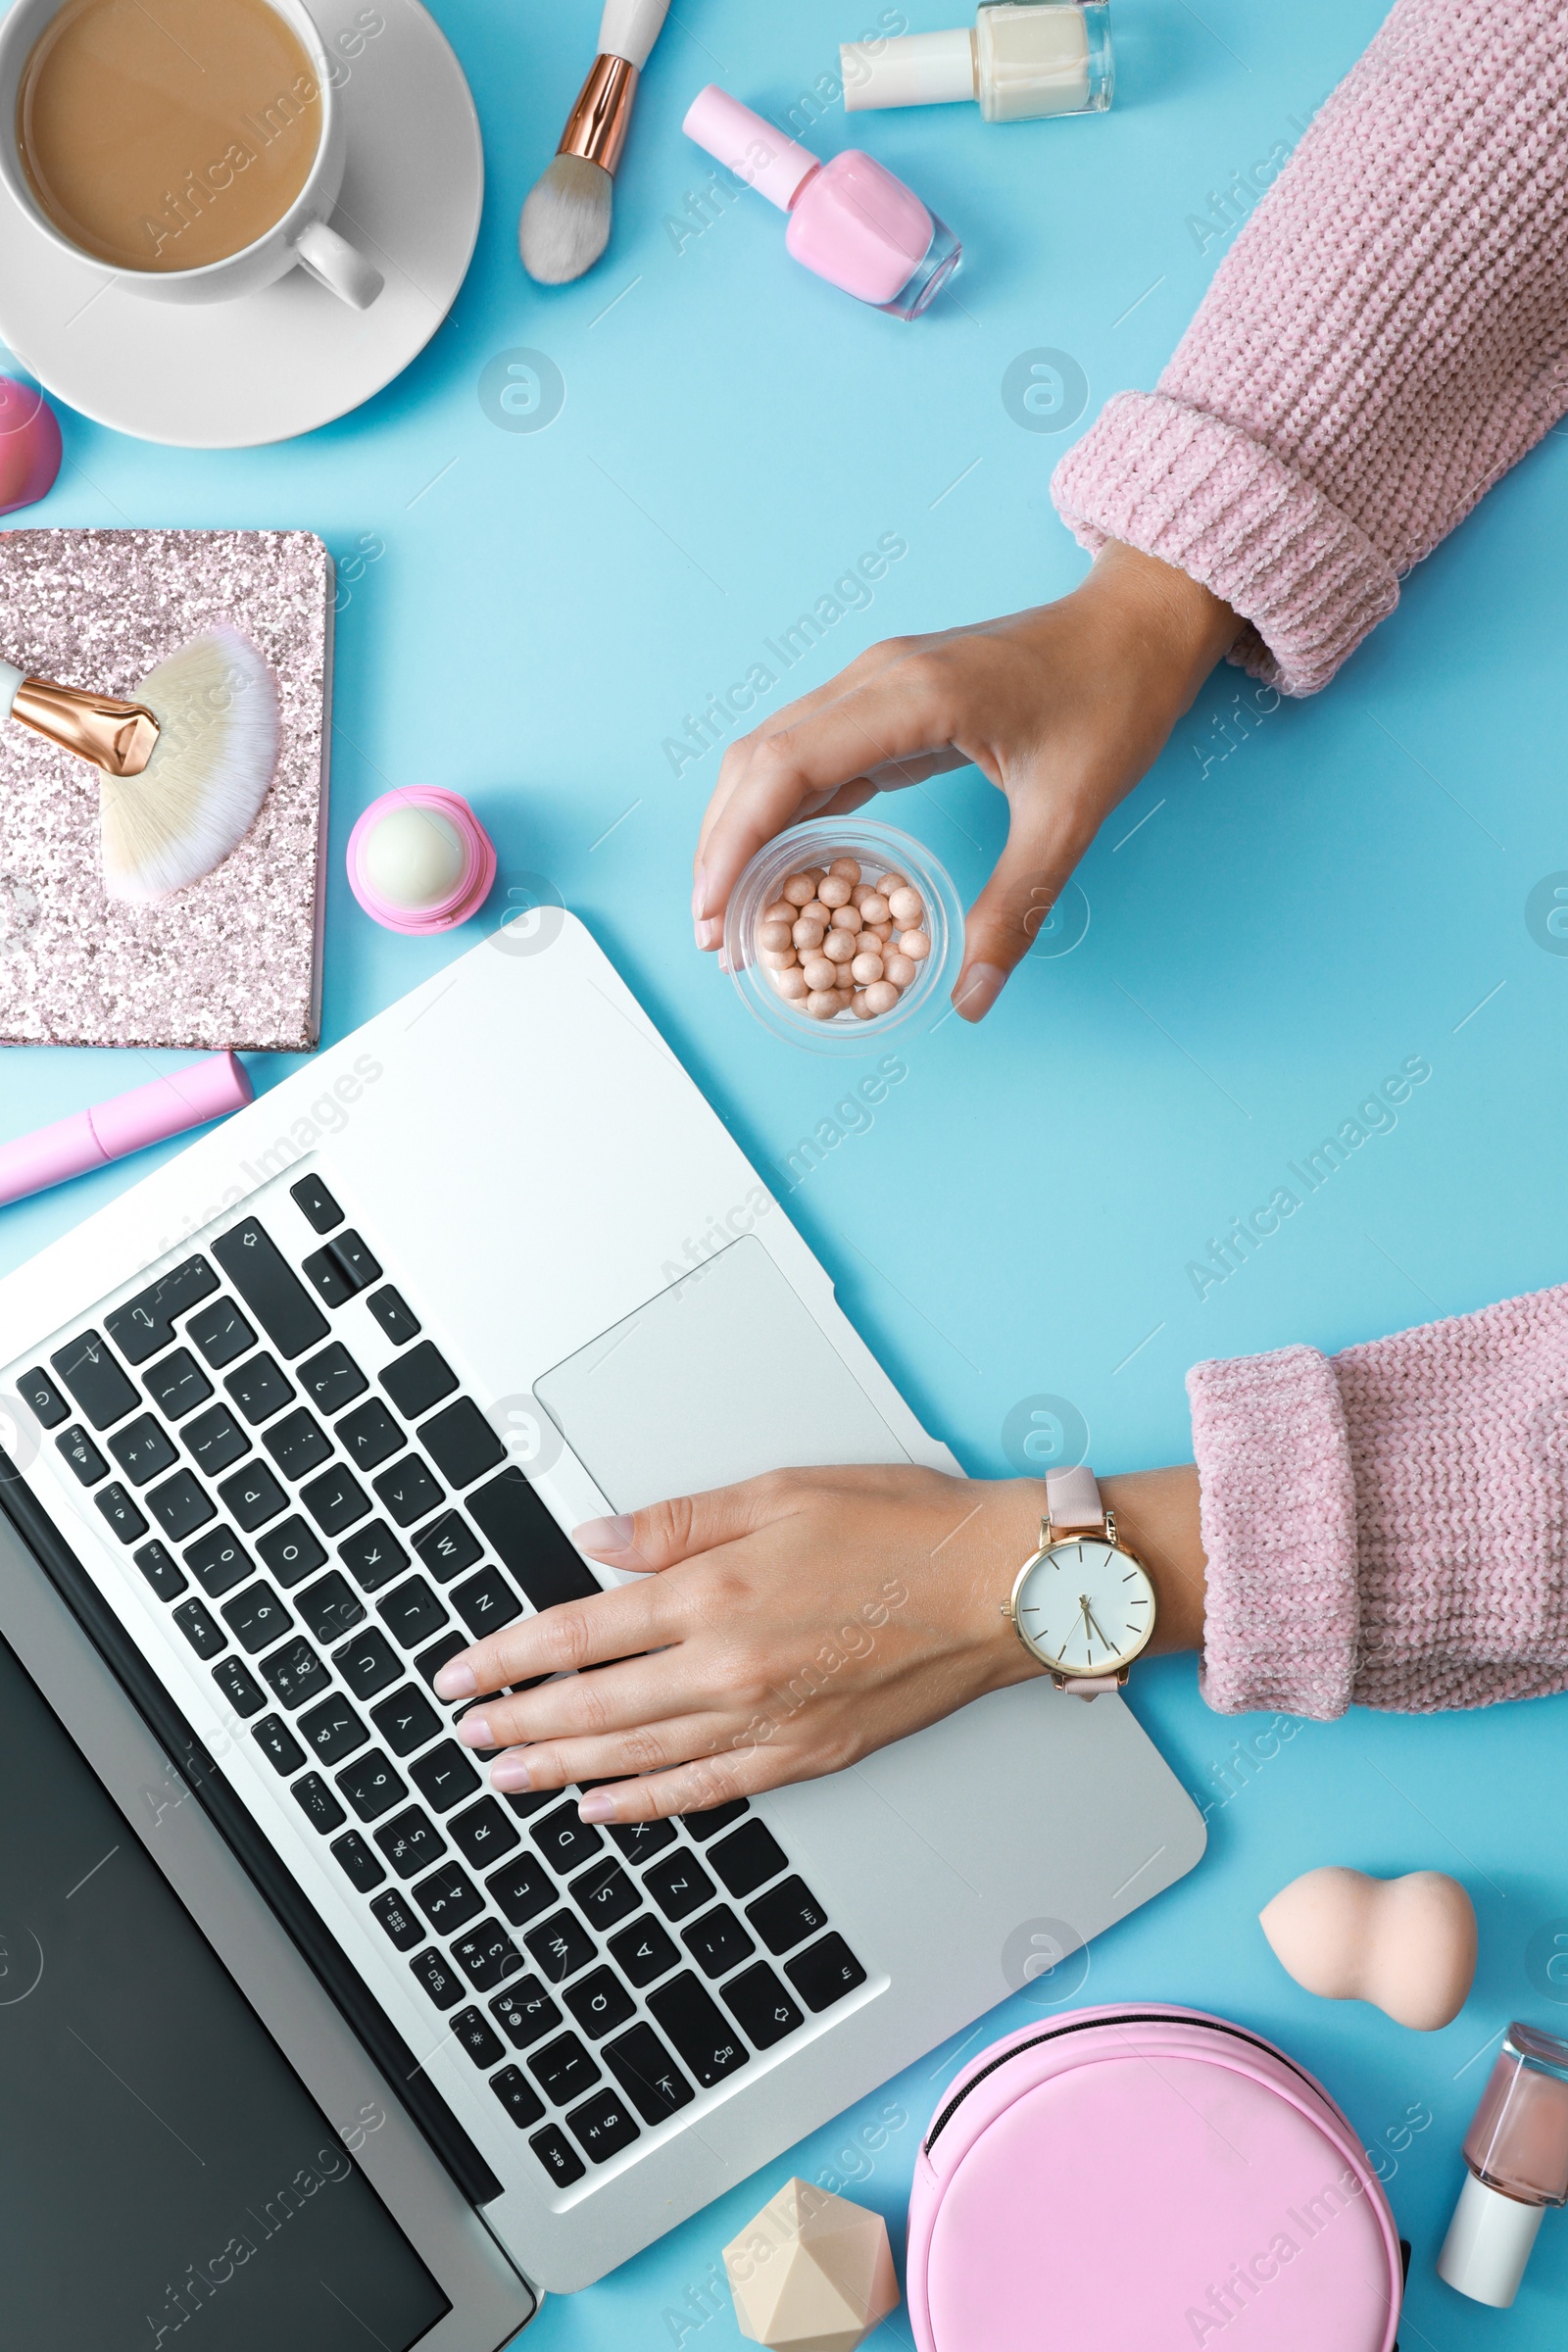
(299, 1519)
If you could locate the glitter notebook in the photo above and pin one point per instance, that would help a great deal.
(235, 960)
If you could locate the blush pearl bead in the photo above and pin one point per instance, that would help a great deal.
(790, 983)
(866, 968)
(781, 912)
(881, 996)
(875, 908)
(888, 883)
(799, 890)
(846, 919)
(860, 1008)
(806, 934)
(906, 905)
(833, 890)
(775, 959)
(846, 869)
(900, 969)
(823, 1003)
(819, 973)
(915, 944)
(839, 947)
(777, 935)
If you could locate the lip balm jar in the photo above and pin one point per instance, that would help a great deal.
(419, 860)
(1517, 2153)
(1022, 60)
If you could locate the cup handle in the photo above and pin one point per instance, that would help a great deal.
(341, 267)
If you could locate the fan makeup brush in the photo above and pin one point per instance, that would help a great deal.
(566, 220)
(183, 769)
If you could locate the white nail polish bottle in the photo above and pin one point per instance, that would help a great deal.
(1023, 58)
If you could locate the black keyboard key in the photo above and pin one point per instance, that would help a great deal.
(406, 1720)
(371, 1787)
(219, 1561)
(824, 1973)
(483, 1833)
(239, 1687)
(559, 2157)
(447, 1547)
(316, 1204)
(410, 1843)
(259, 1389)
(485, 1603)
(525, 2012)
(448, 1899)
(430, 1662)
(698, 2029)
(482, 2042)
(180, 1506)
(560, 1945)
(335, 1501)
(413, 1612)
(278, 1744)
(517, 2097)
(527, 1542)
(522, 1890)
(748, 1859)
(604, 1896)
(362, 1866)
(96, 1381)
(43, 1399)
(679, 1886)
(764, 2007)
(374, 1554)
(787, 1916)
(643, 1951)
(408, 1491)
(271, 1289)
(368, 1663)
(647, 2075)
(121, 1511)
(395, 1316)
(256, 1617)
(82, 1455)
(298, 1444)
(488, 1955)
(296, 1674)
(444, 1776)
(641, 1841)
(565, 1841)
(603, 2124)
(563, 2069)
(177, 1385)
(319, 1804)
(418, 1380)
(332, 1379)
(461, 1444)
(221, 1332)
(158, 1567)
(251, 1497)
(331, 1731)
(216, 1441)
(194, 1622)
(370, 1436)
(441, 1981)
(330, 1607)
(343, 1269)
(291, 1552)
(142, 1448)
(396, 1918)
(146, 1323)
(329, 1280)
(600, 2002)
(717, 1942)
(703, 1826)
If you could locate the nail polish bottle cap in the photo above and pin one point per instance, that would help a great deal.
(1488, 2246)
(776, 167)
(923, 69)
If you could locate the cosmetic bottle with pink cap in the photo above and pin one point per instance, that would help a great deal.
(850, 220)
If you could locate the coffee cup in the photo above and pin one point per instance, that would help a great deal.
(130, 213)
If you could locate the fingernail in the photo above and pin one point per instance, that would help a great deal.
(456, 1680)
(603, 1535)
(700, 894)
(597, 1805)
(474, 1732)
(978, 990)
(509, 1773)
(710, 932)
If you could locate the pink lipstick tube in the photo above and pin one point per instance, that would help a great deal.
(850, 220)
(148, 1114)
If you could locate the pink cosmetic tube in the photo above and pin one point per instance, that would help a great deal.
(148, 1114)
(850, 220)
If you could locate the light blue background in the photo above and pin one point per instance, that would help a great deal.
(1338, 892)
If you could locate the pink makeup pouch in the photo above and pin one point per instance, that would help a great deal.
(1145, 2179)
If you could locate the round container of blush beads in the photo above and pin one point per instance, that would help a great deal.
(871, 946)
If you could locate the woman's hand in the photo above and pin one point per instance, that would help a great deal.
(1062, 708)
(778, 1629)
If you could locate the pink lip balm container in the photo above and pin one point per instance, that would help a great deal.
(29, 446)
(421, 862)
(850, 220)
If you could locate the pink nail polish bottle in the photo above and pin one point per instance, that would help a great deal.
(1517, 2153)
(850, 220)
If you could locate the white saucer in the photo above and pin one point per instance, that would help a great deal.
(232, 375)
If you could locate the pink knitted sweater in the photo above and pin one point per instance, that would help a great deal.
(1386, 336)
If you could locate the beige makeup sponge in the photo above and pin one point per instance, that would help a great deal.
(1407, 1945)
(812, 2273)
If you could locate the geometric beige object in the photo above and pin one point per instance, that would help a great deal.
(1407, 1945)
(812, 2272)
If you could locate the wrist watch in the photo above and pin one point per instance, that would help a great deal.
(1082, 1604)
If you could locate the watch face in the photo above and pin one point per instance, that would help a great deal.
(1085, 1607)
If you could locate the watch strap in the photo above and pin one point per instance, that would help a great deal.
(1091, 1687)
(1072, 1502)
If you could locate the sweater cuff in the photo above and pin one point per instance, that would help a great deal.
(1278, 1499)
(1182, 486)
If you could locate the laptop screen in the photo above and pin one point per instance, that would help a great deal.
(164, 2177)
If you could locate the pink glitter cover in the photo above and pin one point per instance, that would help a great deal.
(234, 961)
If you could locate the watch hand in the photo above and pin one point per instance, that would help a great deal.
(1095, 1622)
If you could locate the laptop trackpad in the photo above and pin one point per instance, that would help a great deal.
(721, 1376)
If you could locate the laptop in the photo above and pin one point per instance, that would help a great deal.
(315, 1404)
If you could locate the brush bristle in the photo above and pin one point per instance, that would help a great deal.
(565, 221)
(217, 707)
